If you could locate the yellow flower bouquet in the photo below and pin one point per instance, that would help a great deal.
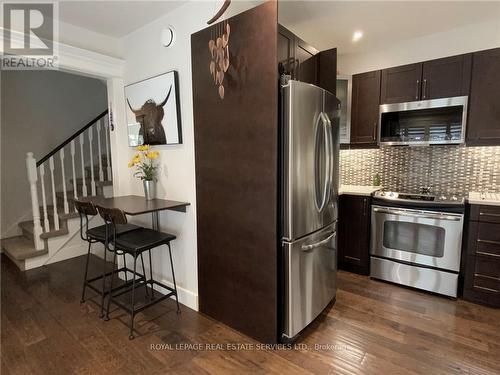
(143, 161)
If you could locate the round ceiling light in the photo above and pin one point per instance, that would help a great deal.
(167, 37)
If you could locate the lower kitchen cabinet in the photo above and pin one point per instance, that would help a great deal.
(354, 234)
(482, 262)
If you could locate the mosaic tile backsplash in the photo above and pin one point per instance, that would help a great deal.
(446, 169)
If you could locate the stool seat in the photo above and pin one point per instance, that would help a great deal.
(99, 233)
(142, 239)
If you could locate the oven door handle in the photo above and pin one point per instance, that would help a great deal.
(418, 215)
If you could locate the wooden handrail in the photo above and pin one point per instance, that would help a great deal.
(67, 141)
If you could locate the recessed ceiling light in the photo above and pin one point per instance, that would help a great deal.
(357, 36)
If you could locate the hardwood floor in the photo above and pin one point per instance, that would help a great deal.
(373, 328)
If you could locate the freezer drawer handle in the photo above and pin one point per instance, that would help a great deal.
(318, 244)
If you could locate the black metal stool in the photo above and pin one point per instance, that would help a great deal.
(135, 243)
(94, 235)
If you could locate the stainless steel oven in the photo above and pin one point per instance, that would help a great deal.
(417, 247)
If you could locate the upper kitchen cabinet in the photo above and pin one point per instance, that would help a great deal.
(434, 79)
(401, 84)
(483, 127)
(296, 57)
(304, 62)
(327, 70)
(286, 51)
(447, 77)
(365, 108)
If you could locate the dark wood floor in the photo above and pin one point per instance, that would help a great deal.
(373, 328)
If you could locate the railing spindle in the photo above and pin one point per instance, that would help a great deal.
(84, 179)
(32, 178)
(108, 161)
(54, 199)
(65, 194)
(46, 224)
(92, 179)
(72, 151)
(101, 174)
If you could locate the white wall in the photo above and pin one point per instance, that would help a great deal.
(40, 109)
(466, 39)
(92, 41)
(146, 57)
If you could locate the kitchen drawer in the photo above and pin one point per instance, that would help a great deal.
(488, 239)
(485, 266)
(487, 214)
(482, 281)
(488, 284)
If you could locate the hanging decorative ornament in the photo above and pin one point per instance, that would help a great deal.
(218, 47)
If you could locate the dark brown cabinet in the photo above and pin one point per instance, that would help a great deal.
(447, 77)
(401, 84)
(482, 256)
(296, 57)
(365, 108)
(305, 63)
(483, 126)
(354, 233)
(434, 79)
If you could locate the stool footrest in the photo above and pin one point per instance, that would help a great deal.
(140, 283)
(98, 290)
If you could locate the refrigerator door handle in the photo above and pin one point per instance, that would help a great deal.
(319, 243)
(326, 188)
(330, 155)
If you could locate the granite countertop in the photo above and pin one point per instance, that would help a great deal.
(492, 199)
(358, 190)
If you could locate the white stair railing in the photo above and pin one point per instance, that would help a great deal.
(58, 184)
(32, 178)
(108, 156)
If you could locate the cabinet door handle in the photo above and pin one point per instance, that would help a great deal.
(490, 242)
(488, 214)
(374, 131)
(418, 89)
(364, 206)
(424, 89)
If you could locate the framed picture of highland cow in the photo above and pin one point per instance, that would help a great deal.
(153, 112)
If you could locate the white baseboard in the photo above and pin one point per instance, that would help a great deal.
(186, 297)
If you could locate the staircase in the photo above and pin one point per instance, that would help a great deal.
(52, 233)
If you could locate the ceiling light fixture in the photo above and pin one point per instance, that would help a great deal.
(357, 36)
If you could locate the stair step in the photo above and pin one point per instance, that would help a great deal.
(60, 211)
(28, 229)
(21, 248)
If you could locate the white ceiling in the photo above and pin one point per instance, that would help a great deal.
(114, 18)
(328, 24)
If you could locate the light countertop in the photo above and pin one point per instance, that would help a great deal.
(358, 190)
(492, 199)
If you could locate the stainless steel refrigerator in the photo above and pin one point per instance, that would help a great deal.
(309, 202)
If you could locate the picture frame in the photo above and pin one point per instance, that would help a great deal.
(153, 110)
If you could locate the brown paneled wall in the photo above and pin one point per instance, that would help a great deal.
(236, 144)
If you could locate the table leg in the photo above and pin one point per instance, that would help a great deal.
(155, 219)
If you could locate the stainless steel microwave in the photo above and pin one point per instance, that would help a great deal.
(425, 122)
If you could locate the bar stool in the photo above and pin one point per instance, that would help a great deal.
(135, 243)
(94, 235)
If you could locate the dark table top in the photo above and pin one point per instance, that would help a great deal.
(136, 205)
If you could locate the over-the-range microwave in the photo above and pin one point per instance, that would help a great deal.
(425, 122)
